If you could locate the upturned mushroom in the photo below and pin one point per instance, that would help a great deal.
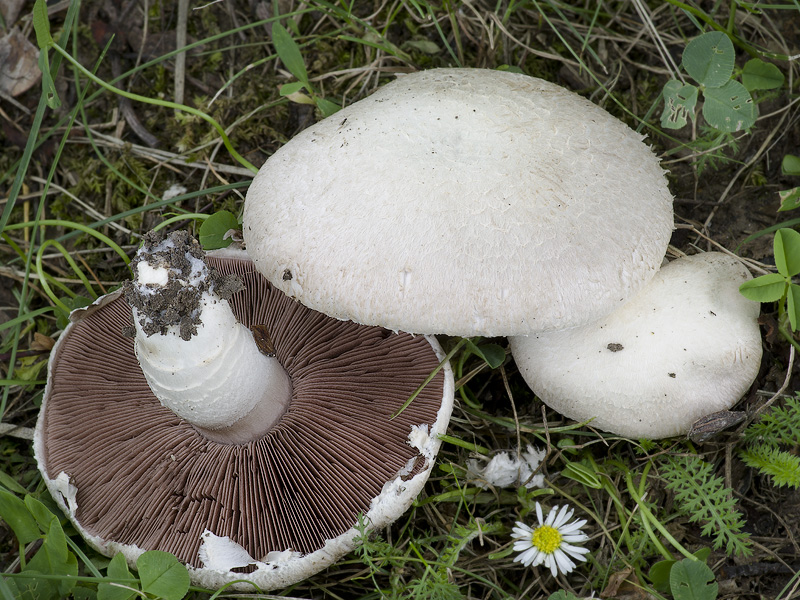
(462, 201)
(251, 433)
(684, 347)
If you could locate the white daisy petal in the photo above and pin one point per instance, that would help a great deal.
(575, 551)
(563, 561)
(551, 516)
(521, 531)
(555, 545)
(575, 537)
(550, 562)
(531, 557)
(570, 527)
(563, 516)
(522, 545)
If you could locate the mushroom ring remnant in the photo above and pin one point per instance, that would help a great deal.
(686, 346)
(465, 202)
(133, 476)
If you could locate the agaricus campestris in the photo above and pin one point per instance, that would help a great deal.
(465, 202)
(685, 346)
(244, 465)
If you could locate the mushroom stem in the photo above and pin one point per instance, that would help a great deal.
(198, 360)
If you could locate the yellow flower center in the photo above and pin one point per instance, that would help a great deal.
(546, 538)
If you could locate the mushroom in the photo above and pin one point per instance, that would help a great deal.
(465, 202)
(137, 463)
(686, 346)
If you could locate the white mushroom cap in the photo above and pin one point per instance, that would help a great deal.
(462, 201)
(686, 346)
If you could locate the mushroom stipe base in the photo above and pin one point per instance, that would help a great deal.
(144, 479)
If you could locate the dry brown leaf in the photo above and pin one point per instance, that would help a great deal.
(10, 9)
(19, 68)
(42, 342)
(624, 585)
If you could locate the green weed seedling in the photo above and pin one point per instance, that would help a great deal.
(213, 230)
(728, 105)
(778, 287)
(291, 57)
(790, 199)
(686, 579)
(53, 571)
(562, 595)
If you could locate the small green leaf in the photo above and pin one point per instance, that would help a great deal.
(44, 40)
(786, 248)
(767, 288)
(425, 46)
(83, 593)
(562, 595)
(492, 354)
(582, 474)
(48, 87)
(793, 305)
(298, 97)
(117, 569)
(709, 59)
(790, 199)
(659, 574)
(41, 24)
(212, 231)
(679, 103)
(510, 69)
(55, 540)
(760, 75)
(289, 52)
(53, 559)
(32, 587)
(11, 484)
(790, 165)
(287, 89)
(326, 107)
(702, 554)
(14, 512)
(729, 108)
(62, 318)
(689, 580)
(162, 575)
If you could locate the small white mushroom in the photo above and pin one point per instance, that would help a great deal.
(686, 346)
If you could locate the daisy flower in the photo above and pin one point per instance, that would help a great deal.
(552, 541)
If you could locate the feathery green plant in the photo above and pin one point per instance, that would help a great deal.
(766, 440)
(703, 497)
(432, 578)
